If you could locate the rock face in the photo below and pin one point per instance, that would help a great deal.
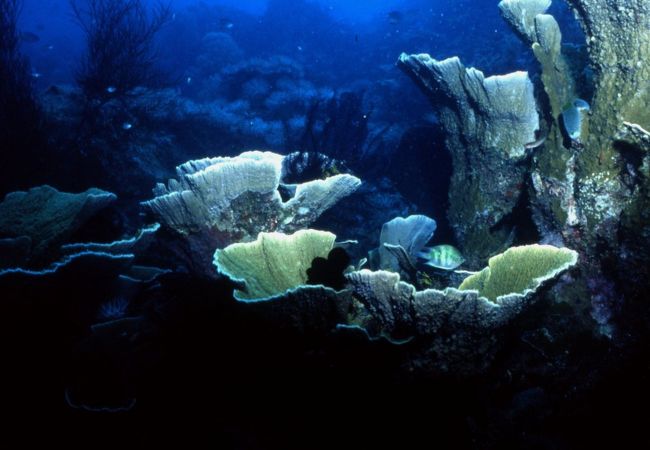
(489, 124)
(219, 201)
(618, 40)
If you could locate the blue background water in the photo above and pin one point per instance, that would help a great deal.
(336, 37)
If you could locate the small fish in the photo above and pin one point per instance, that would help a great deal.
(29, 37)
(299, 48)
(50, 47)
(573, 116)
(127, 126)
(226, 24)
(444, 257)
(36, 75)
(188, 80)
(111, 89)
(535, 143)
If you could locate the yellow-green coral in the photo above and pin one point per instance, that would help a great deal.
(519, 269)
(274, 263)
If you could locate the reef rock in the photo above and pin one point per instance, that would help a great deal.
(589, 183)
(489, 123)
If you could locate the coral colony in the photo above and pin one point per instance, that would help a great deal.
(281, 238)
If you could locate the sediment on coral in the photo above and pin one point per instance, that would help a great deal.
(489, 123)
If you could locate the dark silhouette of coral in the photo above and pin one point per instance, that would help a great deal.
(120, 53)
(338, 128)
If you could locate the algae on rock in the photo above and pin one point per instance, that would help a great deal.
(618, 39)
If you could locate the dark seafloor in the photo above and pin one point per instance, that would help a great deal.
(137, 313)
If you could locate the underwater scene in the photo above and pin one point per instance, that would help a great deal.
(320, 224)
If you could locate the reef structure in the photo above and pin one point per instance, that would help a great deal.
(490, 123)
(452, 330)
(589, 180)
(219, 201)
